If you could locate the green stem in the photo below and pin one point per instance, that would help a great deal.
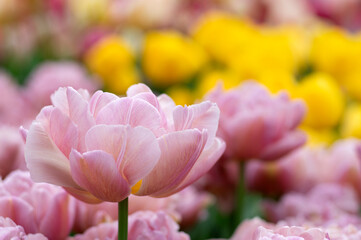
(123, 220)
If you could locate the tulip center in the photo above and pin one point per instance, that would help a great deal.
(136, 187)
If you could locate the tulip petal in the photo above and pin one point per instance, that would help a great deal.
(137, 88)
(135, 112)
(97, 172)
(204, 115)
(44, 160)
(135, 150)
(204, 163)
(279, 148)
(180, 151)
(82, 195)
(63, 132)
(21, 212)
(99, 100)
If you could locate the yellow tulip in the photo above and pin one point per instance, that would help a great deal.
(336, 52)
(113, 61)
(170, 58)
(88, 12)
(181, 95)
(223, 35)
(277, 80)
(351, 126)
(324, 100)
(317, 137)
(211, 78)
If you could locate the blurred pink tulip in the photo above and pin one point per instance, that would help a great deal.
(12, 105)
(11, 151)
(9, 230)
(98, 148)
(248, 228)
(307, 167)
(37, 207)
(327, 205)
(298, 171)
(48, 77)
(145, 225)
(290, 233)
(89, 215)
(256, 124)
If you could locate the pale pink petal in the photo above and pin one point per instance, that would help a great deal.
(135, 150)
(99, 100)
(279, 148)
(63, 132)
(204, 115)
(61, 210)
(180, 151)
(79, 113)
(167, 106)
(137, 88)
(59, 100)
(97, 172)
(21, 212)
(204, 163)
(44, 160)
(82, 195)
(23, 133)
(135, 112)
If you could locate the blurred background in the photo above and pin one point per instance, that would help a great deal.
(311, 48)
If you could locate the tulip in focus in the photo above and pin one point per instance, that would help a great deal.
(256, 124)
(37, 207)
(142, 225)
(102, 148)
(9, 230)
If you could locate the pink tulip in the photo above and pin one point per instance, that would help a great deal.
(327, 205)
(89, 215)
(145, 225)
(298, 171)
(307, 167)
(12, 105)
(290, 233)
(248, 228)
(48, 77)
(11, 151)
(256, 124)
(37, 207)
(9, 230)
(99, 148)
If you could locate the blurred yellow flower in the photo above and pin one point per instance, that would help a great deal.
(212, 77)
(324, 100)
(113, 61)
(351, 124)
(170, 58)
(268, 51)
(223, 35)
(181, 95)
(336, 52)
(351, 82)
(277, 80)
(316, 137)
